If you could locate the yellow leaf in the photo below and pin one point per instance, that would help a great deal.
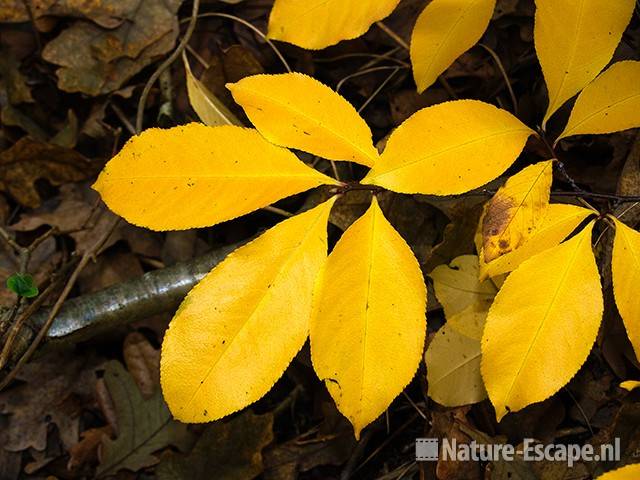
(542, 325)
(297, 111)
(368, 330)
(316, 24)
(449, 148)
(630, 384)
(240, 327)
(575, 39)
(453, 368)
(628, 472)
(608, 104)
(445, 30)
(557, 224)
(517, 208)
(196, 176)
(464, 298)
(210, 110)
(625, 269)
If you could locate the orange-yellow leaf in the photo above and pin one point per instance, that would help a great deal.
(368, 330)
(628, 472)
(445, 30)
(630, 384)
(558, 223)
(516, 210)
(196, 176)
(542, 325)
(608, 104)
(240, 327)
(625, 268)
(297, 111)
(575, 39)
(316, 24)
(449, 148)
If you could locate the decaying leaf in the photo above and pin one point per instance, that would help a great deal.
(29, 160)
(238, 329)
(230, 450)
(574, 41)
(608, 104)
(444, 31)
(144, 426)
(552, 303)
(465, 299)
(516, 210)
(368, 327)
(95, 60)
(449, 148)
(318, 24)
(143, 363)
(559, 221)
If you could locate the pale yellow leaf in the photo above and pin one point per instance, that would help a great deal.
(445, 30)
(625, 269)
(196, 176)
(464, 298)
(558, 223)
(608, 104)
(296, 111)
(368, 330)
(449, 148)
(211, 111)
(628, 472)
(575, 39)
(453, 368)
(516, 210)
(316, 24)
(240, 327)
(542, 325)
(630, 384)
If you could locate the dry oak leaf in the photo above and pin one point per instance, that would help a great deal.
(29, 160)
(106, 13)
(96, 61)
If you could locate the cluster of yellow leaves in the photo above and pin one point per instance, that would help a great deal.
(443, 31)
(545, 318)
(364, 306)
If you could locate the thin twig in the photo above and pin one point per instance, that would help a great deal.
(176, 53)
(254, 29)
(379, 89)
(364, 72)
(396, 38)
(498, 62)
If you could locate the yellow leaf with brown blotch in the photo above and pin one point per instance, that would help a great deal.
(297, 111)
(625, 269)
(575, 39)
(445, 30)
(450, 148)
(368, 328)
(196, 176)
(316, 24)
(558, 223)
(517, 208)
(610, 103)
(542, 325)
(238, 329)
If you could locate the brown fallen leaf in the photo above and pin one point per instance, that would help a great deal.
(143, 363)
(97, 61)
(230, 450)
(55, 389)
(86, 450)
(29, 160)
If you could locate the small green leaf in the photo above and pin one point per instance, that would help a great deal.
(22, 285)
